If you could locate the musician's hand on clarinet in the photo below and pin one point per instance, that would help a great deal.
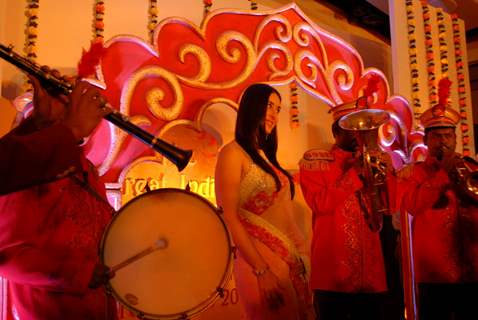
(47, 109)
(86, 109)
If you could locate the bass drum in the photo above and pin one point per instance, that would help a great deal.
(171, 254)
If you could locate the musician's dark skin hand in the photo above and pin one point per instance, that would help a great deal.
(383, 158)
(85, 110)
(448, 163)
(48, 109)
(101, 275)
(81, 111)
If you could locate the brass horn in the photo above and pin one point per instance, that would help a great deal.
(466, 176)
(374, 198)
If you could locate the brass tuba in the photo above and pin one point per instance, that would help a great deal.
(374, 197)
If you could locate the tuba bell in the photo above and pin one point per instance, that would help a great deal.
(374, 197)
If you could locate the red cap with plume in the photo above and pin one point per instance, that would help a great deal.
(361, 103)
(90, 59)
(441, 115)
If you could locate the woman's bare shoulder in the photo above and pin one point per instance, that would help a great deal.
(232, 149)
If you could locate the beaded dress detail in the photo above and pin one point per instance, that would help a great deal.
(267, 215)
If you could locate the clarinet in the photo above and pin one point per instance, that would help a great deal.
(57, 86)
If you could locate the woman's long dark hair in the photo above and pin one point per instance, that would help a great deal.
(250, 131)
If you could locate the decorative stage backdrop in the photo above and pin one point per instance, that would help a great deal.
(183, 85)
(191, 72)
(170, 87)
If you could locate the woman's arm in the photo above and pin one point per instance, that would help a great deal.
(227, 181)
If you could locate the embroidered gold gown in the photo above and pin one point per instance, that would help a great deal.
(268, 218)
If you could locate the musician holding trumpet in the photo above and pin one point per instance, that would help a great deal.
(443, 200)
(53, 210)
(349, 274)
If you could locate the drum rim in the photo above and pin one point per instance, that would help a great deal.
(196, 310)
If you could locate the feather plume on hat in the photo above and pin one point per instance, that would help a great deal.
(360, 103)
(90, 59)
(440, 115)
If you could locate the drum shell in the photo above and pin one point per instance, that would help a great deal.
(180, 280)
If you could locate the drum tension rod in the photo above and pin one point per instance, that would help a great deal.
(220, 291)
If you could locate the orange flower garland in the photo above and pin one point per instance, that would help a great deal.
(253, 4)
(460, 74)
(207, 6)
(443, 48)
(294, 106)
(430, 56)
(31, 28)
(31, 35)
(98, 23)
(412, 52)
(153, 18)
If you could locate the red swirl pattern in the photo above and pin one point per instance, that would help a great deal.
(183, 71)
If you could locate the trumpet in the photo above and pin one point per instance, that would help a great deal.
(465, 175)
(58, 86)
(374, 199)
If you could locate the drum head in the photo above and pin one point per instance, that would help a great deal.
(173, 252)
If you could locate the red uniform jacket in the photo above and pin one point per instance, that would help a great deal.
(49, 233)
(29, 156)
(445, 238)
(346, 256)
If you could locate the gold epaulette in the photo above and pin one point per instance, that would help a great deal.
(317, 154)
(316, 159)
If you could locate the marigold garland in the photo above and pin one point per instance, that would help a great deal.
(31, 28)
(430, 56)
(431, 65)
(460, 74)
(153, 18)
(98, 23)
(412, 53)
(443, 48)
(294, 106)
(31, 34)
(207, 6)
(253, 4)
